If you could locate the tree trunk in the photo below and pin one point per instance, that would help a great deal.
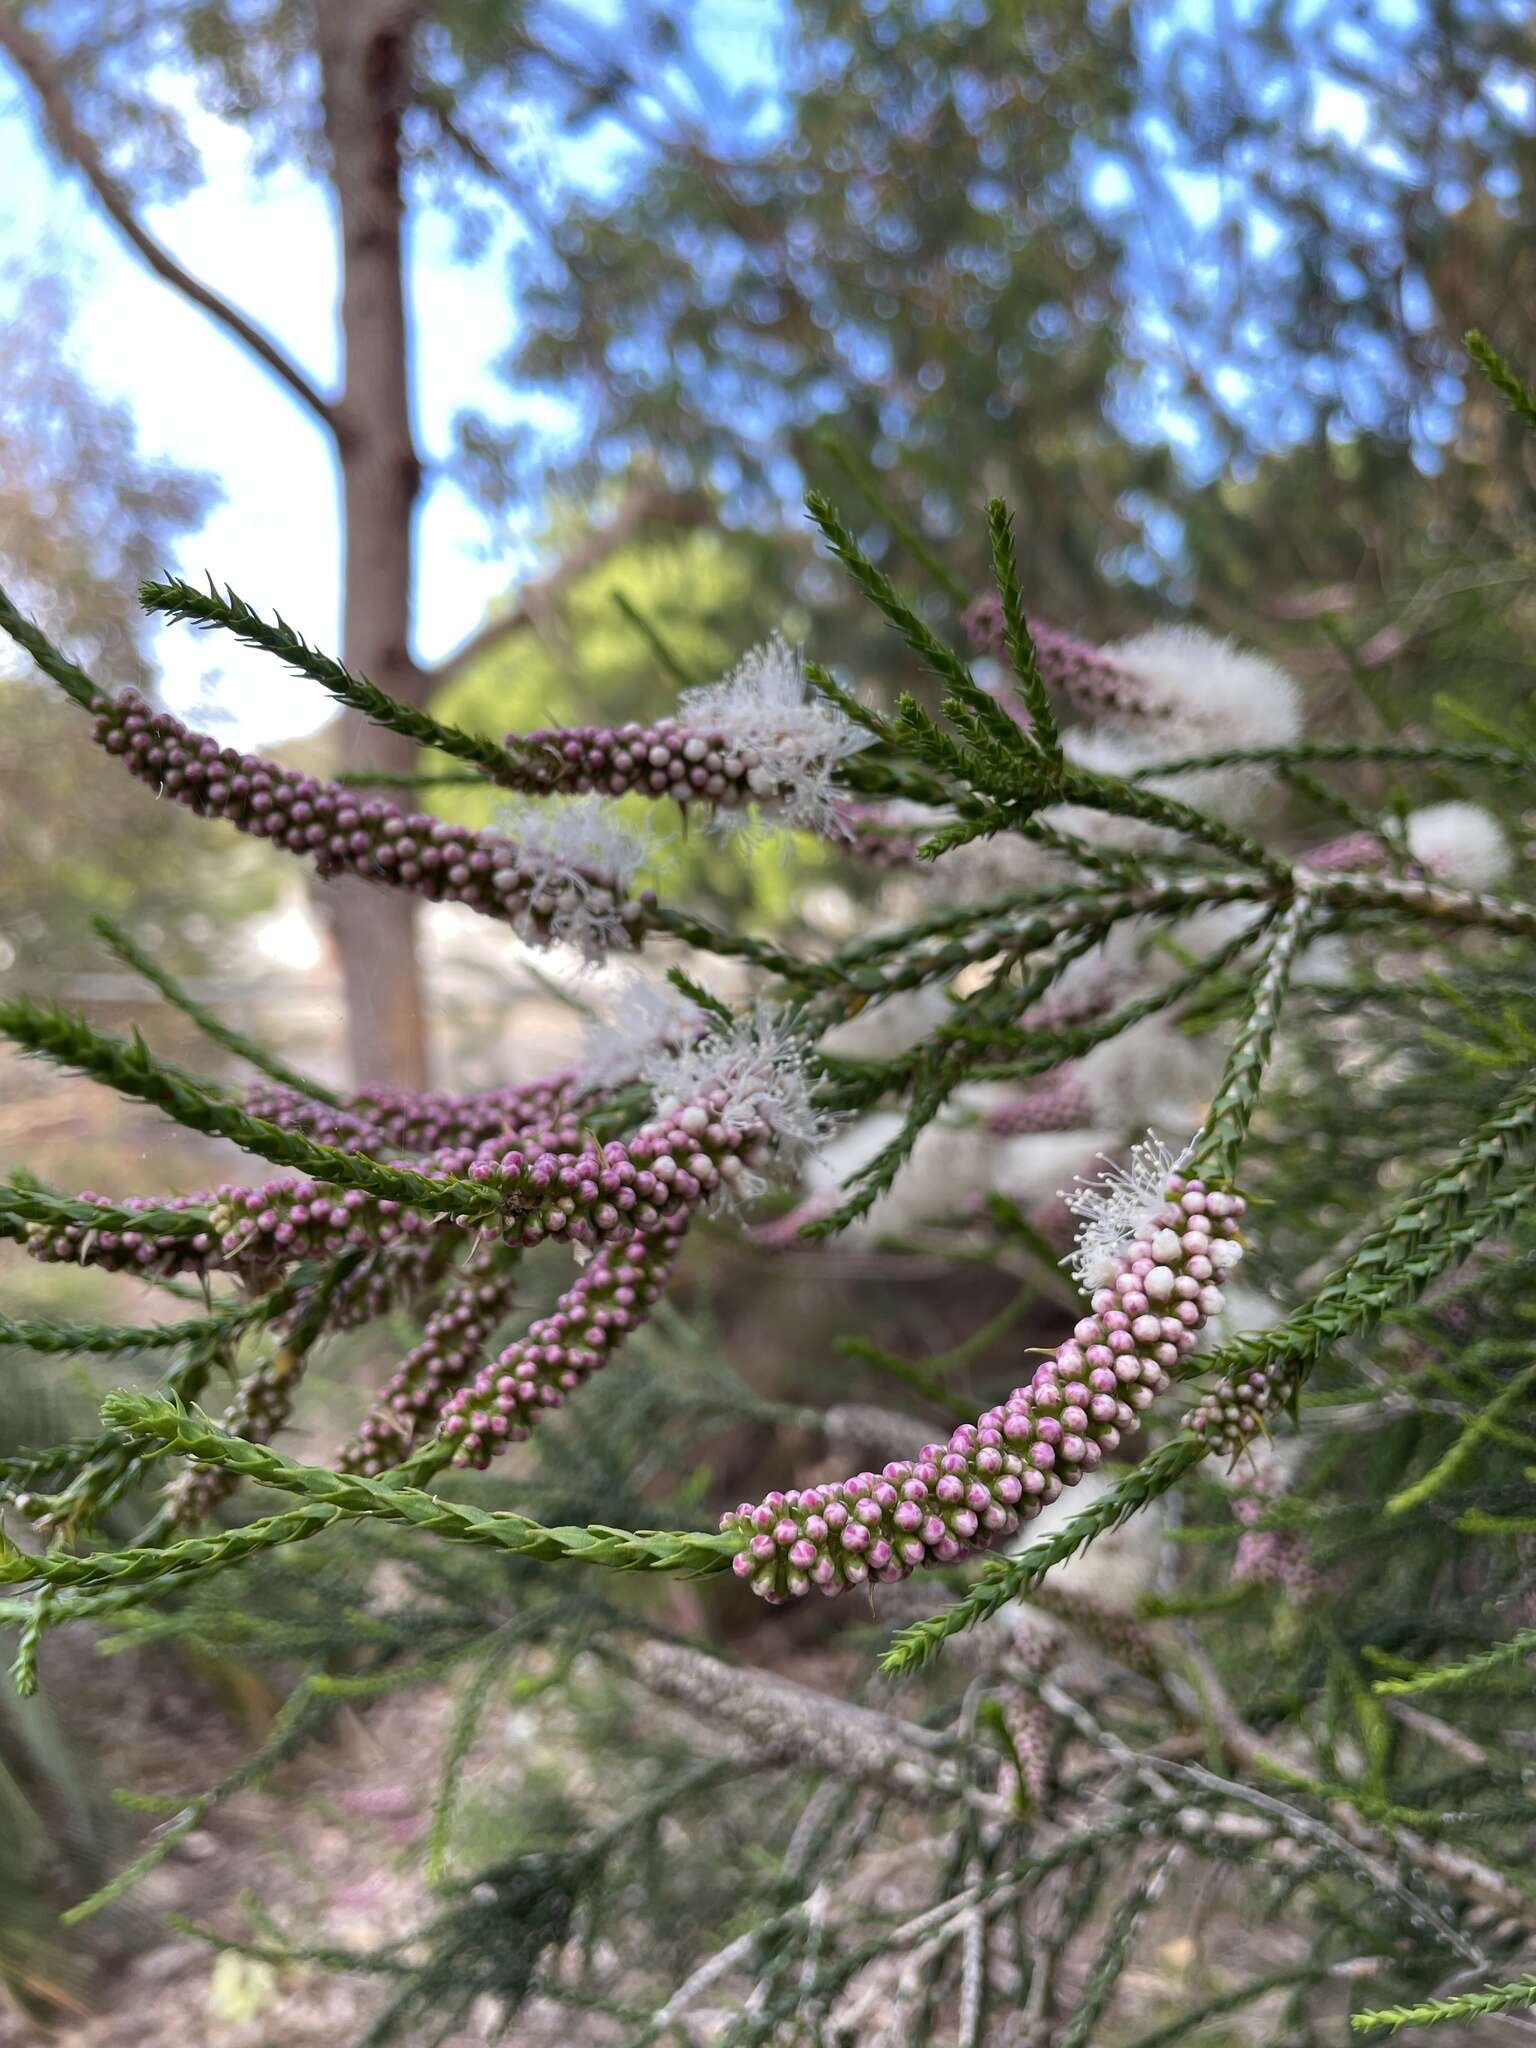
(364, 52)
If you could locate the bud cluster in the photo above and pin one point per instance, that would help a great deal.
(759, 736)
(1059, 1102)
(279, 1221)
(590, 1196)
(378, 1121)
(130, 1250)
(597, 1312)
(452, 1340)
(1232, 1414)
(664, 759)
(1086, 675)
(974, 1491)
(542, 896)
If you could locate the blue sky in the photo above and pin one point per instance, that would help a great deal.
(199, 400)
(270, 247)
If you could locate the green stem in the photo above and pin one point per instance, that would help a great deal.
(1215, 1153)
(1443, 754)
(70, 677)
(1016, 639)
(329, 1495)
(210, 1025)
(1006, 1579)
(206, 608)
(1481, 1425)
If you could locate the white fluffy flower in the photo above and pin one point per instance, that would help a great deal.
(753, 1075)
(1459, 843)
(581, 859)
(647, 1018)
(790, 737)
(1115, 1206)
(1214, 693)
(1192, 694)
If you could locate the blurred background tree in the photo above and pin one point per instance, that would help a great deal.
(1186, 285)
(85, 511)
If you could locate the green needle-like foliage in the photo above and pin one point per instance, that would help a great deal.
(209, 609)
(133, 1070)
(336, 1493)
(266, 1062)
(23, 1203)
(1469, 2005)
(1219, 1146)
(1021, 649)
(70, 677)
(1512, 389)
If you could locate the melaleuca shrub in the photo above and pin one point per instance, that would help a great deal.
(1239, 1473)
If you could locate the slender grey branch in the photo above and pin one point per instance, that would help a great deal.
(32, 58)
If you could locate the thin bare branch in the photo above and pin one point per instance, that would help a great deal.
(644, 508)
(34, 61)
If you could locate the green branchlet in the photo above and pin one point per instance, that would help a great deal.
(70, 677)
(329, 1494)
(1004, 1579)
(129, 1067)
(133, 955)
(1513, 390)
(1020, 647)
(1216, 1151)
(1468, 2005)
(209, 609)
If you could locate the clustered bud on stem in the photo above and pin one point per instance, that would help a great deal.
(415, 1122)
(411, 1403)
(131, 1250)
(664, 759)
(543, 892)
(636, 1198)
(592, 1318)
(760, 736)
(1058, 1102)
(1086, 675)
(1156, 1253)
(1232, 1414)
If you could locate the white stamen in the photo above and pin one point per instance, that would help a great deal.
(1118, 1207)
(1218, 694)
(750, 1076)
(764, 708)
(582, 859)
